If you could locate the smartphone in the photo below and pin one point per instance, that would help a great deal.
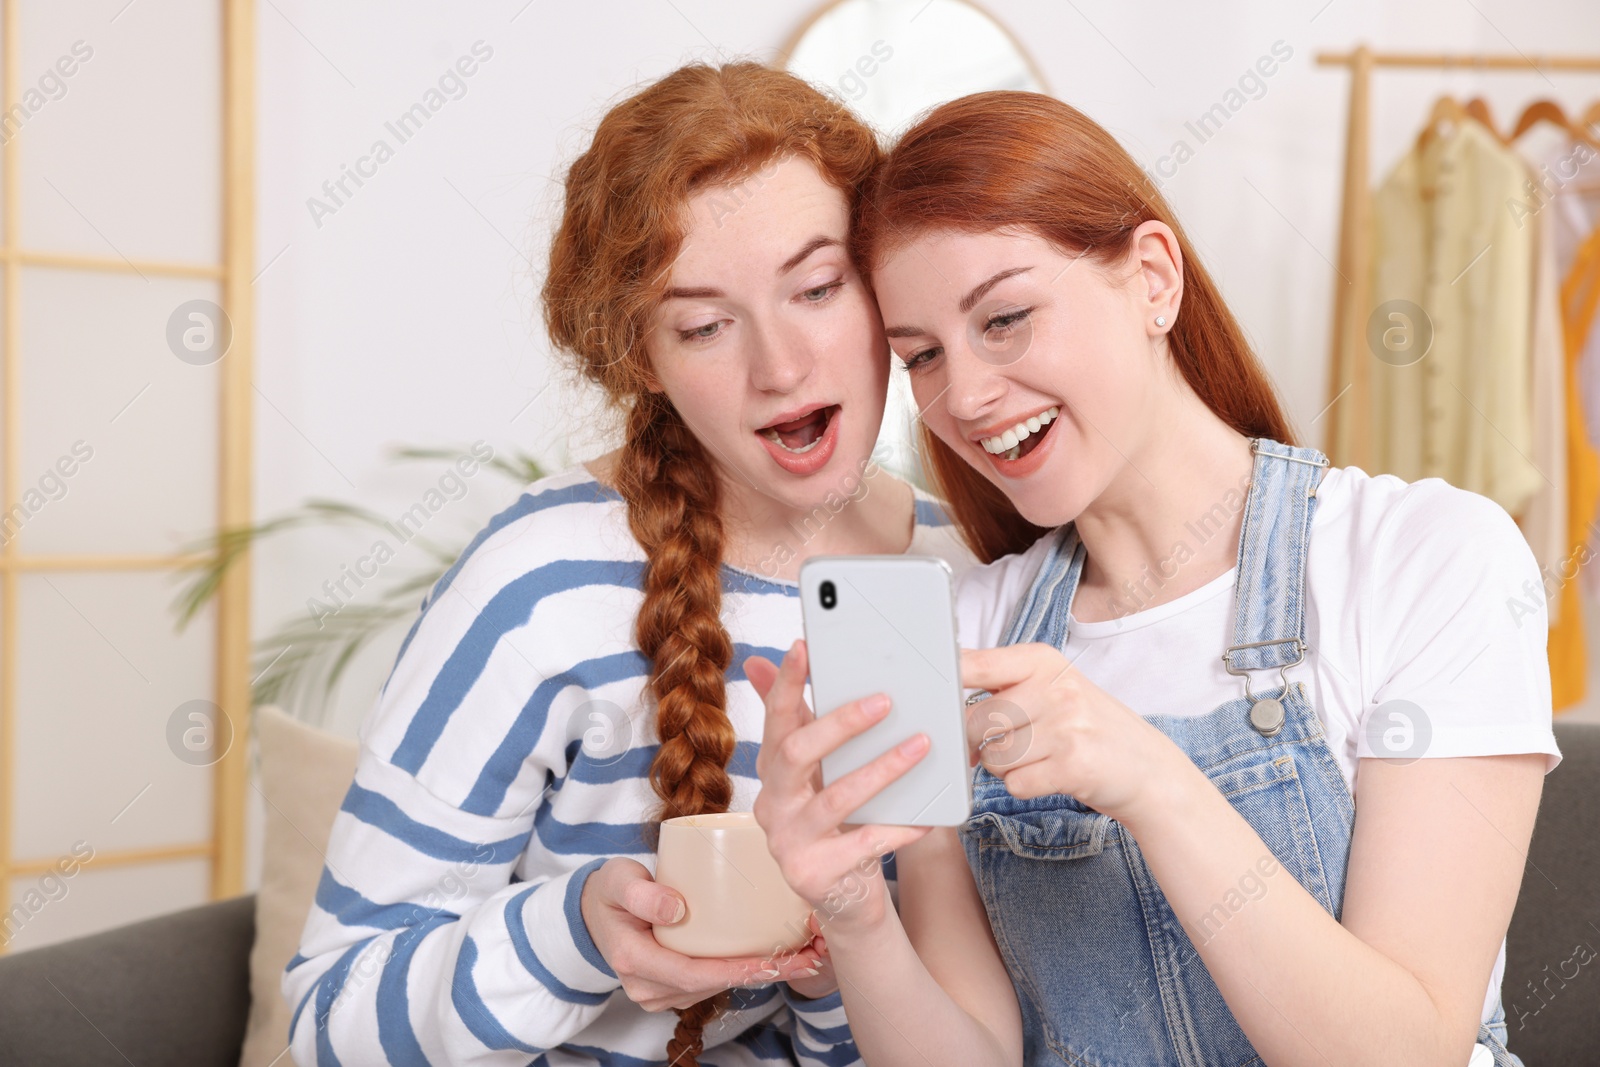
(886, 624)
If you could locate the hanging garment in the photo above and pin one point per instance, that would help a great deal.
(1577, 216)
(1444, 241)
(1589, 388)
(1544, 522)
(1569, 659)
(1559, 201)
(1565, 193)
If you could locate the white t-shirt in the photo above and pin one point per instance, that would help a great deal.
(1417, 592)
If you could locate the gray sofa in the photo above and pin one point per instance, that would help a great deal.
(174, 991)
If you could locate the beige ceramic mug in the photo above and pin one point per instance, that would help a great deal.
(737, 903)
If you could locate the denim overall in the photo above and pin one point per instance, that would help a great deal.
(1105, 975)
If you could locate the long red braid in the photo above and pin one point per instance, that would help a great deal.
(620, 231)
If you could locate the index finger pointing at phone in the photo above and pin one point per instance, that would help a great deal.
(995, 669)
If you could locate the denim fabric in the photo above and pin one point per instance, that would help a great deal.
(1104, 973)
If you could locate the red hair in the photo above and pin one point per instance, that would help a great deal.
(621, 227)
(1024, 160)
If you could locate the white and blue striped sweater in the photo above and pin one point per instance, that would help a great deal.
(504, 760)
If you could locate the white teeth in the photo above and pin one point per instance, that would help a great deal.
(772, 435)
(1011, 440)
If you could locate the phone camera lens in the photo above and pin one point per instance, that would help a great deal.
(827, 594)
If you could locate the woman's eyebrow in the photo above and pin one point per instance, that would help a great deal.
(698, 293)
(809, 247)
(970, 301)
(703, 292)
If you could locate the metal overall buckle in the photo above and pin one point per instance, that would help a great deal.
(1267, 714)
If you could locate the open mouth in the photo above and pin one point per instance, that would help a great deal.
(803, 444)
(1022, 438)
(802, 435)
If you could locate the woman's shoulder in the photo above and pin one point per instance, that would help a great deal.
(553, 563)
(1388, 522)
(566, 517)
(1429, 593)
(577, 484)
(1397, 567)
(558, 504)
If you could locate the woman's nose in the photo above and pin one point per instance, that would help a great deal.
(779, 362)
(971, 386)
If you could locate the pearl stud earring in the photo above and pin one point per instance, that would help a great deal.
(1161, 320)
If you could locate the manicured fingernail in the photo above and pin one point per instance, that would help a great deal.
(767, 975)
(912, 746)
(673, 912)
(807, 973)
(875, 705)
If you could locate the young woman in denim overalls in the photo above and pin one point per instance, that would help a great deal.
(1197, 638)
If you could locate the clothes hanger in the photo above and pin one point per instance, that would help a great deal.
(1478, 108)
(1583, 130)
(1590, 122)
(1550, 111)
(1446, 110)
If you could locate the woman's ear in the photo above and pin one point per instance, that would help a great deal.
(1160, 262)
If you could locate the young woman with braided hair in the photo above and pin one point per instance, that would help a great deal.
(577, 676)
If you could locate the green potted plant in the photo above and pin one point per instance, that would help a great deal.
(298, 665)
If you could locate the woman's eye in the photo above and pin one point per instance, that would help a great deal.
(918, 359)
(821, 292)
(1006, 320)
(701, 333)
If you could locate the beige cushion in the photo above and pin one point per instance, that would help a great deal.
(305, 773)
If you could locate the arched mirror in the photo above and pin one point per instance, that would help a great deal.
(891, 60)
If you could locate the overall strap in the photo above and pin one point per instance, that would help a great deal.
(1043, 613)
(1269, 595)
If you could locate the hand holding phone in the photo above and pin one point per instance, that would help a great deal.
(837, 868)
(886, 624)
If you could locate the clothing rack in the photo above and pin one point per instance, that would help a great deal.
(1352, 289)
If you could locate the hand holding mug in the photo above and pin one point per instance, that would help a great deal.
(621, 902)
